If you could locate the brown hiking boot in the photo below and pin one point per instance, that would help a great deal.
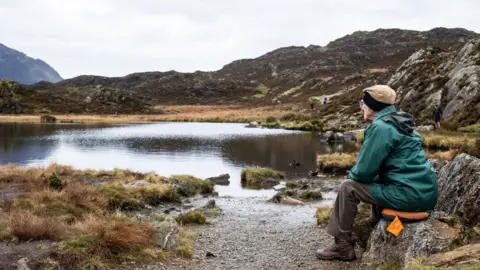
(342, 250)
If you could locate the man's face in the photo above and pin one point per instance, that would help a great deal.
(368, 114)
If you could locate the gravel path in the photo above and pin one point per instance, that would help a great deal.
(253, 234)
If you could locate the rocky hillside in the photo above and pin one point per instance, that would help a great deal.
(17, 66)
(436, 77)
(291, 76)
(16, 98)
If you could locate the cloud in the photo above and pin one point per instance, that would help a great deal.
(117, 37)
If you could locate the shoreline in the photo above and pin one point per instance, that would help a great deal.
(180, 113)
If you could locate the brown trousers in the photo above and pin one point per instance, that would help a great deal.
(344, 210)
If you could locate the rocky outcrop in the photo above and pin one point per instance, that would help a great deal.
(9, 95)
(459, 189)
(437, 77)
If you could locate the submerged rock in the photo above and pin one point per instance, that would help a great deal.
(222, 179)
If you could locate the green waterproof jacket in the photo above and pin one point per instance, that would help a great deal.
(393, 164)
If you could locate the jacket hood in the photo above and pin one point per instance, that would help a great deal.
(401, 120)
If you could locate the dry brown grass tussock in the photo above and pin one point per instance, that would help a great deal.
(337, 160)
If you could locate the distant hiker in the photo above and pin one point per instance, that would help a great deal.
(437, 116)
(324, 100)
(392, 171)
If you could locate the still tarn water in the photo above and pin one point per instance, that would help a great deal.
(199, 149)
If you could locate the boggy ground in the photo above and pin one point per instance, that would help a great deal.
(254, 234)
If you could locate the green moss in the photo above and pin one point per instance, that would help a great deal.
(471, 128)
(188, 185)
(293, 90)
(389, 266)
(79, 243)
(160, 217)
(135, 198)
(5, 235)
(23, 203)
(323, 214)
(259, 95)
(192, 217)
(276, 198)
(63, 209)
(292, 185)
(271, 119)
(476, 60)
(260, 177)
(119, 198)
(55, 183)
(310, 195)
(92, 263)
(271, 125)
(185, 248)
(363, 225)
(313, 125)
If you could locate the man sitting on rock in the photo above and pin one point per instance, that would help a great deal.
(392, 171)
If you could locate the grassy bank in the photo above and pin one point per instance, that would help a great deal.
(89, 213)
(336, 162)
(444, 144)
(257, 178)
(199, 113)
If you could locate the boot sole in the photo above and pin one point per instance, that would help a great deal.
(343, 259)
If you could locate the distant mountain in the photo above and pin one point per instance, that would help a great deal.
(15, 65)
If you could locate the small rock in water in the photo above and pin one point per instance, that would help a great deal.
(220, 180)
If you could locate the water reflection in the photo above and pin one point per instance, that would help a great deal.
(200, 149)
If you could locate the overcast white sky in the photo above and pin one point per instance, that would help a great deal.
(118, 37)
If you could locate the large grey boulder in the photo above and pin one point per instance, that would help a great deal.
(457, 213)
(417, 239)
(459, 189)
